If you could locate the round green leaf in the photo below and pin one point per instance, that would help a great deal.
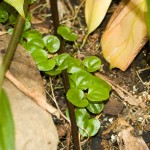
(76, 97)
(74, 68)
(101, 83)
(61, 61)
(38, 42)
(90, 127)
(81, 116)
(92, 63)
(82, 79)
(39, 56)
(3, 16)
(46, 65)
(52, 43)
(32, 34)
(95, 108)
(66, 33)
(31, 47)
(96, 93)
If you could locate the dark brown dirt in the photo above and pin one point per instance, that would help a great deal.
(136, 80)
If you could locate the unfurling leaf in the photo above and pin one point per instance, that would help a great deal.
(125, 34)
(18, 5)
(7, 139)
(95, 11)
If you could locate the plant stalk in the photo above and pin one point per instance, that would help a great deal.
(12, 44)
(74, 128)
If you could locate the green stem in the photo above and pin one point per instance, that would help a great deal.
(12, 44)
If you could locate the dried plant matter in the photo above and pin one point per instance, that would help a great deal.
(32, 123)
(125, 34)
(126, 138)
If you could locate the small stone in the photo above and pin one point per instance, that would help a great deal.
(113, 107)
(111, 120)
(113, 138)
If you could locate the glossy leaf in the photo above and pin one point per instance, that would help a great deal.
(92, 63)
(87, 126)
(81, 116)
(95, 108)
(66, 33)
(82, 80)
(76, 97)
(31, 47)
(91, 127)
(96, 93)
(3, 16)
(39, 42)
(99, 90)
(7, 139)
(95, 11)
(52, 43)
(46, 65)
(125, 34)
(101, 83)
(18, 5)
(75, 68)
(32, 34)
(39, 56)
(61, 60)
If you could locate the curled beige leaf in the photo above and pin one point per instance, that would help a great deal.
(125, 34)
(18, 5)
(95, 11)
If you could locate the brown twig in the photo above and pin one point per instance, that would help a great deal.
(74, 129)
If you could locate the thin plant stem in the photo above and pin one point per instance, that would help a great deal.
(74, 128)
(12, 44)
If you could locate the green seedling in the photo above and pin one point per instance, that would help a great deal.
(39, 47)
(52, 43)
(67, 33)
(87, 126)
(86, 91)
(3, 16)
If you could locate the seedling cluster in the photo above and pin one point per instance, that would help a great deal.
(87, 92)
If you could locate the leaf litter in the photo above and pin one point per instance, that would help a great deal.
(128, 87)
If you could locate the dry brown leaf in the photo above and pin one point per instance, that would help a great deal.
(126, 138)
(125, 34)
(33, 125)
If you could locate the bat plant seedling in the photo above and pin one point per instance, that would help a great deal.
(86, 92)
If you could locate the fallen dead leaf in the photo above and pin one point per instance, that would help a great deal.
(34, 128)
(126, 139)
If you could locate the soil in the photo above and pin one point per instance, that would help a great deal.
(135, 80)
